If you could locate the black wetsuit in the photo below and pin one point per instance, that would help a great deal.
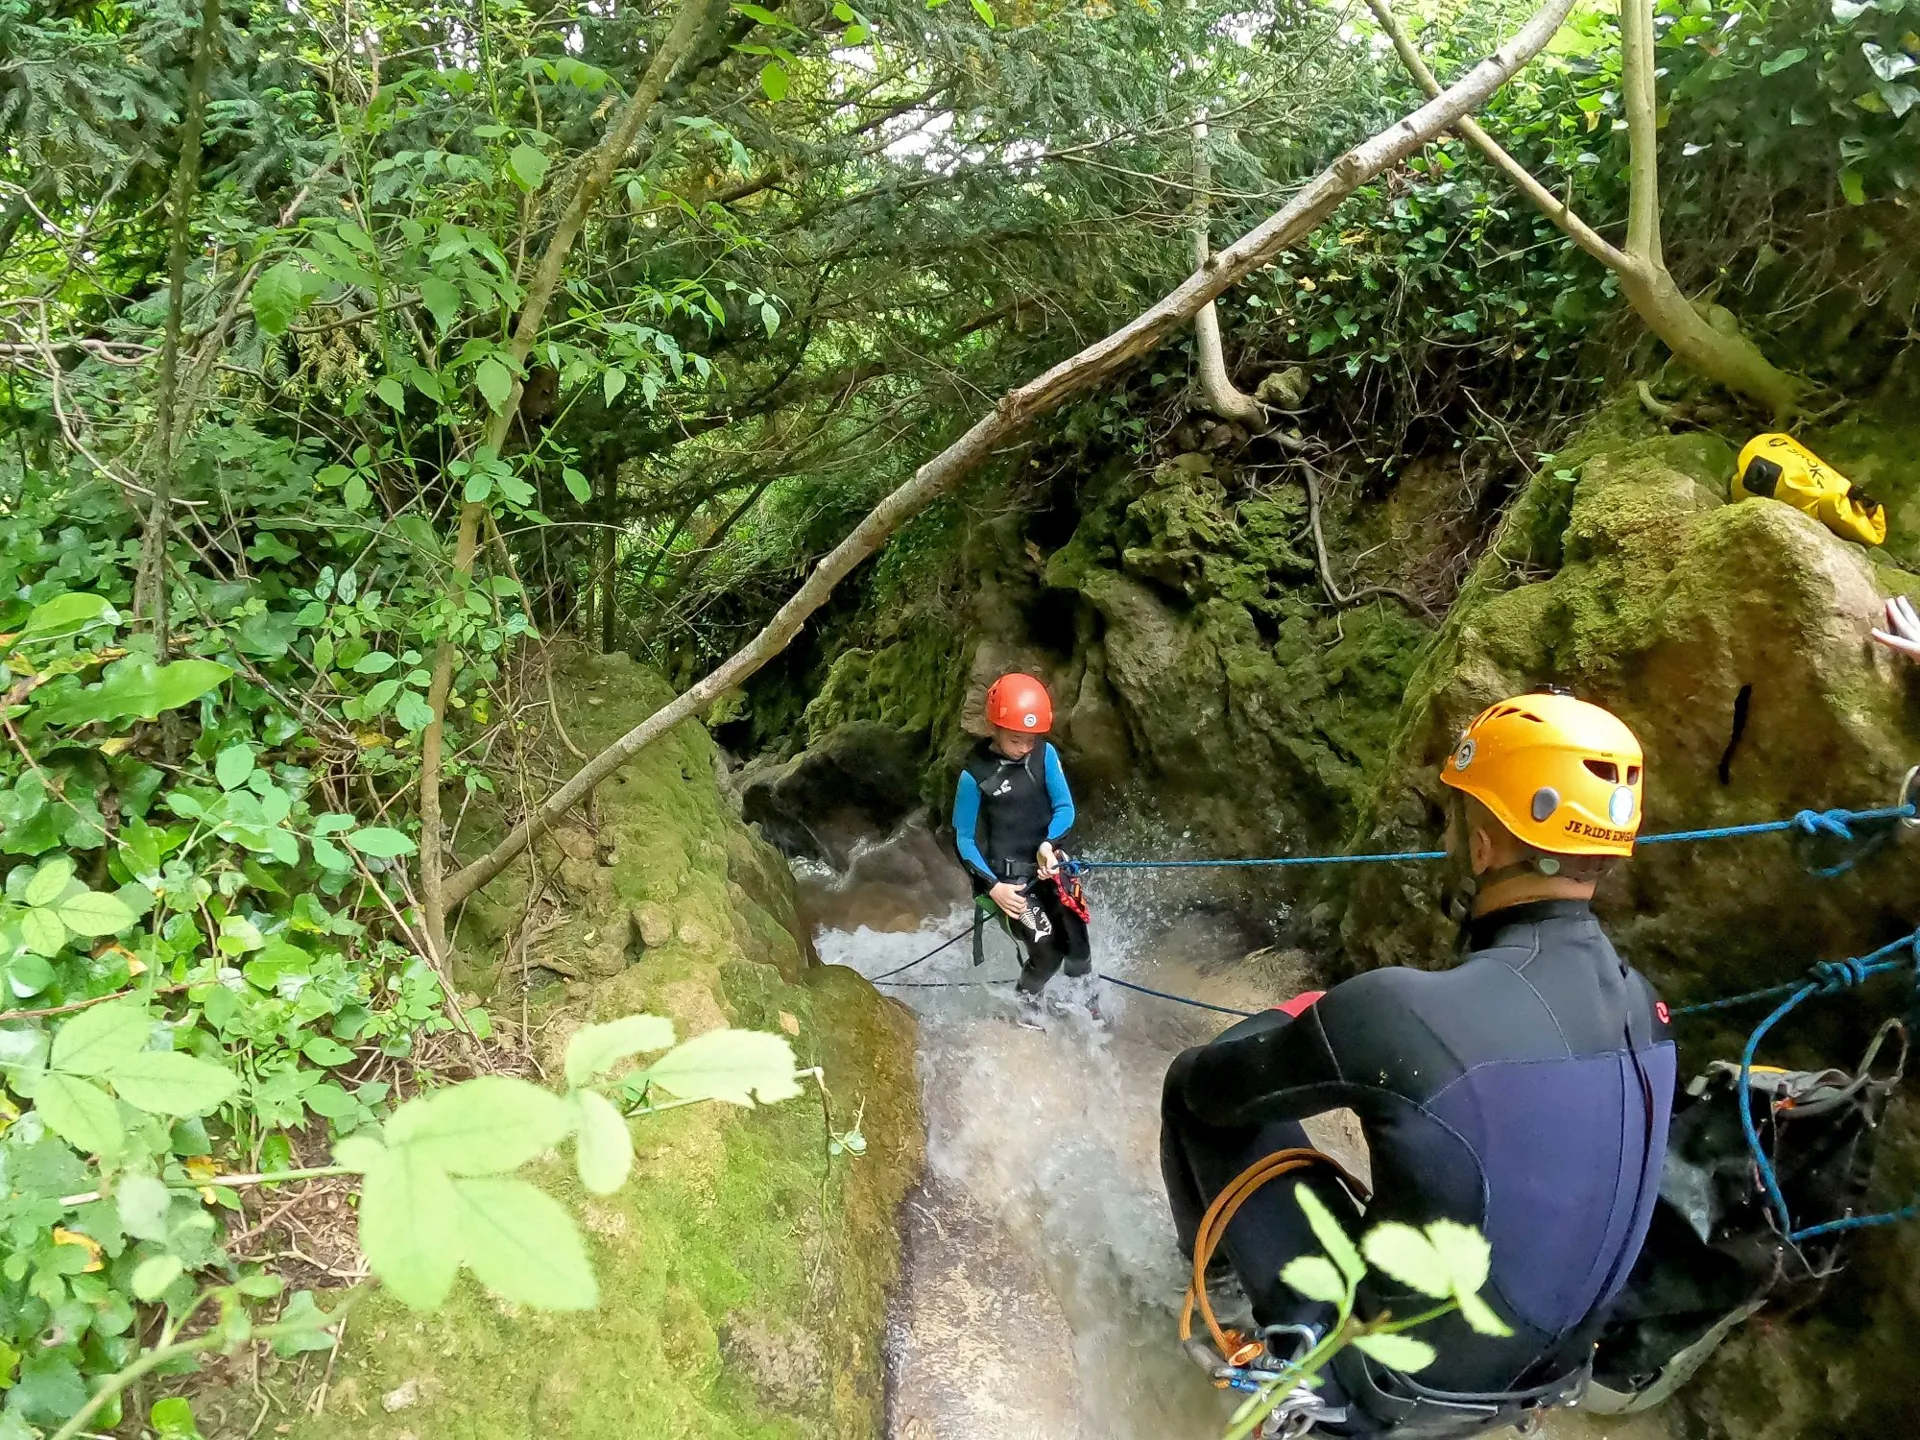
(1525, 1092)
(1003, 811)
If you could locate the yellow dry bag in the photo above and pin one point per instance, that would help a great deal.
(1779, 467)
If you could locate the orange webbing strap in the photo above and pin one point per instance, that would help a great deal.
(1233, 1348)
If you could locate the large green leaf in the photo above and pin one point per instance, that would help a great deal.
(95, 1040)
(80, 1113)
(380, 842)
(733, 1065)
(1409, 1257)
(95, 912)
(495, 381)
(142, 1203)
(165, 1082)
(410, 1228)
(276, 297)
(1331, 1234)
(42, 932)
(523, 1245)
(528, 166)
(136, 688)
(442, 299)
(595, 1049)
(67, 615)
(1400, 1352)
(1465, 1253)
(604, 1147)
(49, 882)
(1315, 1277)
(482, 1127)
(152, 1276)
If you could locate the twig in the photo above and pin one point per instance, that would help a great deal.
(6, 1015)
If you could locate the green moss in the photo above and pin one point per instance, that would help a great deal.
(737, 1225)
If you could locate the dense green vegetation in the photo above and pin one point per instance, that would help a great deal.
(349, 355)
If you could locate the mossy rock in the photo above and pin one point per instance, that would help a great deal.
(1733, 638)
(744, 1270)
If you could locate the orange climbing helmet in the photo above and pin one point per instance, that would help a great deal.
(1562, 775)
(1019, 702)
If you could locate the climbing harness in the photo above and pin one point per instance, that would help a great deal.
(1236, 1350)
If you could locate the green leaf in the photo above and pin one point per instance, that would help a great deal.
(528, 167)
(604, 1147)
(410, 1227)
(523, 1246)
(301, 1311)
(94, 912)
(1783, 60)
(277, 296)
(142, 1203)
(358, 1152)
(495, 381)
(1854, 186)
(442, 299)
(412, 711)
(985, 12)
(389, 389)
(482, 1127)
(165, 1082)
(1332, 1236)
(612, 383)
(576, 482)
(233, 765)
(770, 317)
(151, 1277)
(1315, 1277)
(1480, 1315)
(595, 1049)
(29, 974)
(96, 1040)
(80, 1113)
(774, 79)
(380, 842)
(49, 881)
(323, 1050)
(766, 17)
(67, 614)
(374, 662)
(136, 687)
(1465, 1253)
(173, 1419)
(42, 933)
(1409, 1257)
(1397, 1352)
(731, 1065)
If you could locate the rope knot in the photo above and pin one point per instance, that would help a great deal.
(1824, 822)
(1840, 974)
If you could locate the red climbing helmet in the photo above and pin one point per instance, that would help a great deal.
(1019, 702)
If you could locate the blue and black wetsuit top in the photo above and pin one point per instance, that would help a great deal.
(1525, 1092)
(1004, 810)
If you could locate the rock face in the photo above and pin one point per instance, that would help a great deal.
(744, 1270)
(858, 778)
(1733, 638)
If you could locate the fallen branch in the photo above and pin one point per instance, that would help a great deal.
(1365, 592)
(1020, 407)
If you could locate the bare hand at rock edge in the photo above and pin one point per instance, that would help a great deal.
(1903, 628)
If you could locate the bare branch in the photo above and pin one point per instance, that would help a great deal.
(1018, 408)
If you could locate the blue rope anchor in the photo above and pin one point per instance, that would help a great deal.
(1828, 977)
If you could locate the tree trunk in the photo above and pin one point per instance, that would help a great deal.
(1217, 389)
(1019, 407)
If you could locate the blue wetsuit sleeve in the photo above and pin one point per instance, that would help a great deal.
(966, 822)
(1061, 797)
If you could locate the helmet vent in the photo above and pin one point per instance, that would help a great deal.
(1546, 800)
(1605, 769)
(1633, 774)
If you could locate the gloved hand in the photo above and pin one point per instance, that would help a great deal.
(1902, 634)
(1008, 897)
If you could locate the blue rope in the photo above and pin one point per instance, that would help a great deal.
(1831, 824)
(1828, 977)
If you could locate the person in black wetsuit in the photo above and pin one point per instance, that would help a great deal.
(1011, 809)
(1525, 1092)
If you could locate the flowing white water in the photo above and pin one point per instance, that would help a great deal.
(1042, 1282)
